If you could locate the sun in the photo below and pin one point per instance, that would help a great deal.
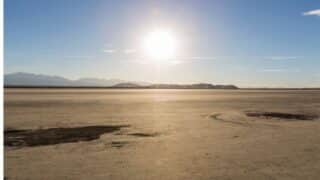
(160, 45)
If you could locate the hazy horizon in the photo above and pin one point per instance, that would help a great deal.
(116, 81)
(245, 43)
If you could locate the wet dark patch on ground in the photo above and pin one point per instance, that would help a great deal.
(285, 116)
(144, 134)
(119, 144)
(42, 137)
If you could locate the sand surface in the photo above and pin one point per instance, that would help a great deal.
(166, 134)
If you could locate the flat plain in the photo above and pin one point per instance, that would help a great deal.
(161, 134)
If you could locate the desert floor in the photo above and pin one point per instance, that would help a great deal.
(162, 134)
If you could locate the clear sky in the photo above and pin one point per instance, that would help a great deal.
(243, 42)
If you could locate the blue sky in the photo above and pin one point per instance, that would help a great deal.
(243, 42)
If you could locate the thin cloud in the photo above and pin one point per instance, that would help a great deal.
(280, 70)
(109, 50)
(274, 70)
(202, 58)
(281, 57)
(315, 12)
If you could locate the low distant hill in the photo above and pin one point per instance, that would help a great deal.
(127, 85)
(38, 80)
(192, 86)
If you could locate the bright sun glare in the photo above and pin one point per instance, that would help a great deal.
(160, 45)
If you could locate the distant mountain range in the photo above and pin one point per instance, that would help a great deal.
(22, 79)
(29, 79)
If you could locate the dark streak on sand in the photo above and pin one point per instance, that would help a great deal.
(244, 123)
(42, 137)
(286, 116)
(119, 144)
(144, 134)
